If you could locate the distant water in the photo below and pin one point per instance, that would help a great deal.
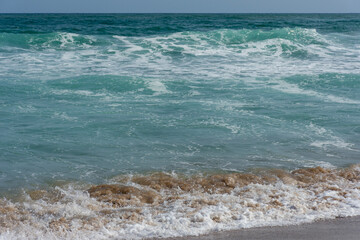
(91, 99)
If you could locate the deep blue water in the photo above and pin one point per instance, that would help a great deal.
(85, 97)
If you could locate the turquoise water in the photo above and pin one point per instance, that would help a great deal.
(88, 97)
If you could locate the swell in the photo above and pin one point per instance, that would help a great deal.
(167, 204)
(43, 41)
(150, 24)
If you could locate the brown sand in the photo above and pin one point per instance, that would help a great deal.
(336, 229)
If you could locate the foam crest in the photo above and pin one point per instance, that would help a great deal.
(57, 40)
(64, 116)
(158, 87)
(291, 88)
(168, 205)
(287, 41)
(217, 53)
(221, 123)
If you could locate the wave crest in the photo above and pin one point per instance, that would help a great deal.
(294, 42)
(56, 41)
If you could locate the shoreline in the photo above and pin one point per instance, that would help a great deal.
(166, 205)
(328, 229)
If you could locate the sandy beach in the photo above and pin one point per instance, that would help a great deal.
(340, 228)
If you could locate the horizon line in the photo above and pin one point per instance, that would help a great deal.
(179, 12)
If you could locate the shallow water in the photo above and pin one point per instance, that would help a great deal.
(170, 205)
(86, 99)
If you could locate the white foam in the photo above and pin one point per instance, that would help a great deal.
(308, 163)
(64, 116)
(158, 87)
(317, 129)
(79, 92)
(291, 88)
(221, 123)
(339, 143)
(27, 108)
(254, 205)
(69, 56)
(198, 55)
(66, 38)
(327, 138)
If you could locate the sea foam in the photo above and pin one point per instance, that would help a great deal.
(169, 205)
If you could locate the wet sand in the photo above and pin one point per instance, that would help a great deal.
(340, 228)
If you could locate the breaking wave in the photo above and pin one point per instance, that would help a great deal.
(289, 41)
(57, 41)
(295, 42)
(169, 204)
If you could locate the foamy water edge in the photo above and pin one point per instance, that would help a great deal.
(163, 205)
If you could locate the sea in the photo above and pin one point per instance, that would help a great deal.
(136, 126)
